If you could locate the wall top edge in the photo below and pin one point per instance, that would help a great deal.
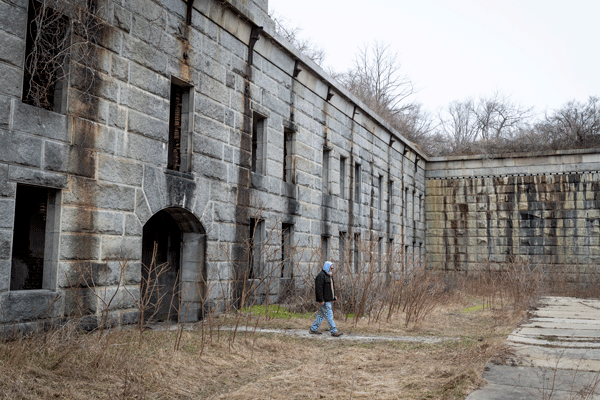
(501, 175)
(269, 30)
(528, 155)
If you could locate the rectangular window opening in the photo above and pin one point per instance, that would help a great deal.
(324, 249)
(46, 64)
(34, 238)
(288, 141)
(259, 126)
(325, 172)
(357, 186)
(356, 251)
(180, 126)
(343, 248)
(343, 177)
(255, 239)
(287, 267)
(391, 197)
(379, 253)
(380, 192)
(390, 261)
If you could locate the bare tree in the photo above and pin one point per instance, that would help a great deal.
(459, 125)
(574, 125)
(498, 117)
(377, 79)
(486, 125)
(417, 125)
(284, 27)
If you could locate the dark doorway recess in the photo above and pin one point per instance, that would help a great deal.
(179, 292)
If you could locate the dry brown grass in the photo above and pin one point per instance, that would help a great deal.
(67, 364)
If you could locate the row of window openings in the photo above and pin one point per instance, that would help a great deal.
(180, 123)
(411, 255)
(256, 256)
(34, 240)
(35, 85)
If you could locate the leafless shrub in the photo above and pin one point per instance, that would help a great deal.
(424, 292)
(151, 297)
(372, 283)
(514, 285)
(96, 297)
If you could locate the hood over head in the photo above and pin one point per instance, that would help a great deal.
(327, 266)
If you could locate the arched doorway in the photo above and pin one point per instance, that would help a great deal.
(174, 280)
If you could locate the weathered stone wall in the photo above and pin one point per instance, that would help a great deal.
(104, 156)
(543, 208)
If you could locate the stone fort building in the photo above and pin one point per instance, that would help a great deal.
(194, 125)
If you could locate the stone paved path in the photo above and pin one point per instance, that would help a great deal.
(556, 355)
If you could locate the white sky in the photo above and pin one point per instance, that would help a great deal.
(542, 53)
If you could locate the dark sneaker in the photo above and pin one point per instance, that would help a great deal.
(337, 334)
(315, 332)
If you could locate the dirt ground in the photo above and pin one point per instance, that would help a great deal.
(215, 364)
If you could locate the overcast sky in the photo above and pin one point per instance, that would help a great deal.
(540, 52)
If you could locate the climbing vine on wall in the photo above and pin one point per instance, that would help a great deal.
(59, 32)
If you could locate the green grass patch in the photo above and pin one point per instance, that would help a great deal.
(274, 311)
(472, 309)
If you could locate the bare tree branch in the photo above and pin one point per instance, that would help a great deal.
(292, 34)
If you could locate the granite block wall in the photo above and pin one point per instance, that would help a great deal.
(540, 208)
(103, 157)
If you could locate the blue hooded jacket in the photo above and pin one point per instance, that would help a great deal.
(324, 284)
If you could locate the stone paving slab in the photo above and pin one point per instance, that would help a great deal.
(519, 382)
(554, 342)
(562, 358)
(567, 332)
(551, 324)
(556, 355)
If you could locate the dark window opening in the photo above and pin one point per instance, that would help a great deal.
(391, 196)
(324, 249)
(288, 137)
(251, 255)
(390, 255)
(325, 172)
(179, 157)
(356, 252)
(343, 177)
(357, 183)
(45, 47)
(259, 125)
(29, 240)
(343, 247)
(255, 248)
(380, 192)
(379, 253)
(287, 270)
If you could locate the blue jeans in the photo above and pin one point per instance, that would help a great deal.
(325, 312)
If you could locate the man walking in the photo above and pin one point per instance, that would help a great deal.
(325, 294)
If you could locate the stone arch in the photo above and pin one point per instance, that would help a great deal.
(180, 241)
